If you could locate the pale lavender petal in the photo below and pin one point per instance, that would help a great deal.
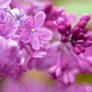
(25, 36)
(35, 42)
(65, 78)
(39, 19)
(28, 23)
(2, 43)
(45, 34)
(39, 54)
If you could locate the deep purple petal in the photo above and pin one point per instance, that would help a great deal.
(39, 19)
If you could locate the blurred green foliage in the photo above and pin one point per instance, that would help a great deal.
(82, 78)
(75, 6)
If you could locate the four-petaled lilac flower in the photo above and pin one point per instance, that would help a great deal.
(33, 32)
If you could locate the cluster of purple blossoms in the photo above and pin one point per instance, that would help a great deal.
(44, 37)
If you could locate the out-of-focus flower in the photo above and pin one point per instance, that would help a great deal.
(8, 57)
(13, 60)
(64, 71)
(7, 26)
(57, 61)
(85, 61)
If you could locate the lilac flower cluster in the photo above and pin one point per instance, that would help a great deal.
(43, 37)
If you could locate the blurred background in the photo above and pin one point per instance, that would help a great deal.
(75, 6)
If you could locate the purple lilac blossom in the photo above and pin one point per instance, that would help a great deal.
(8, 57)
(34, 32)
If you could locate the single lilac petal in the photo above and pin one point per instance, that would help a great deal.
(4, 3)
(71, 18)
(24, 36)
(75, 71)
(39, 19)
(39, 54)
(58, 72)
(2, 43)
(35, 42)
(71, 77)
(28, 23)
(89, 58)
(53, 69)
(65, 78)
(45, 34)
